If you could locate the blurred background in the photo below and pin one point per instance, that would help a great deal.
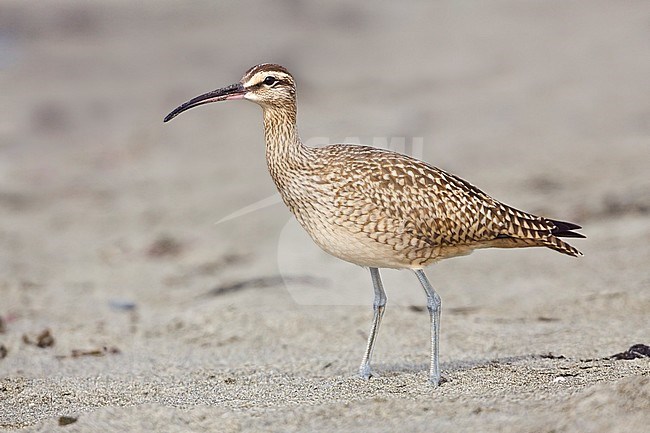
(103, 208)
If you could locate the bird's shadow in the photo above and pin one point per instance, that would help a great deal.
(389, 370)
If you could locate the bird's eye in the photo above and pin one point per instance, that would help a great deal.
(270, 80)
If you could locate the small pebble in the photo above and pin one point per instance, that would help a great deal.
(65, 420)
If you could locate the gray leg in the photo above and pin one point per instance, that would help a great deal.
(378, 308)
(434, 307)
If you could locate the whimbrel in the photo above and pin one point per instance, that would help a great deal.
(377, 208)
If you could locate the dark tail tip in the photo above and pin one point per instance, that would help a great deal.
(564, 229)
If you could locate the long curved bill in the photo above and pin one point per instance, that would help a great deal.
(234, 91)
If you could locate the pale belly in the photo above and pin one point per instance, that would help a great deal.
(377, 250)
(357, 248)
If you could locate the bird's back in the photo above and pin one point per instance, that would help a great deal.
(379, 208)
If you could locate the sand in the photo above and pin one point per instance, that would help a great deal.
(160, 319)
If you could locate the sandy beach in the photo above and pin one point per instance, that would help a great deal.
(150, 279)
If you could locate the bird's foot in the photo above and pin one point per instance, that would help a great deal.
(436, 381)
(365, 372)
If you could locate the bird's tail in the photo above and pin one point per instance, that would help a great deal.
(563, 229)
(524, 229)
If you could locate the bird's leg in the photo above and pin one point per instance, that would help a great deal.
(378, 307)
(434, 307)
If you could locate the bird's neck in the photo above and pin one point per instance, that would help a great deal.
(284, 150)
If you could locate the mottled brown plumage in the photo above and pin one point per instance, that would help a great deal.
(378, 208)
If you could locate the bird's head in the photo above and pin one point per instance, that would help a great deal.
(268, 85)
